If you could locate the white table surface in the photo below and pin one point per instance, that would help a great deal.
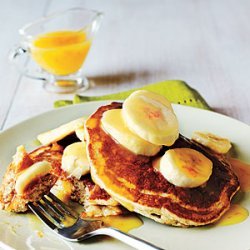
(205, 43)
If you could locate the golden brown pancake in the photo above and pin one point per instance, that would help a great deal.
(9, 199)
(137, 185)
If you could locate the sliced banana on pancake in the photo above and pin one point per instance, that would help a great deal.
(30, 174)
(74, 160)
(62, 131)
(80, 133)
(151, 117)
(185, 167)
(214, 142)
(113, 123)
(62, 190)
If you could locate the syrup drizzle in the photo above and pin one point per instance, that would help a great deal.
(123, 222)
(242, 170)
(237, 213)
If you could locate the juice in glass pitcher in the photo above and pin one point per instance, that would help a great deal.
(58, 44)
(61, 52)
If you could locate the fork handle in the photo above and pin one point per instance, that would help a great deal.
(127, 239)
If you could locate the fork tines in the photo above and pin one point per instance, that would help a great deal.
(53, 212)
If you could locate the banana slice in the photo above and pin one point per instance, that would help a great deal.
(62, 190)
(151, 117)
(62, 131)
(113, 123)
(185, 167)
(30, 174)
(74, 160)
(214, 142)
(80, 133)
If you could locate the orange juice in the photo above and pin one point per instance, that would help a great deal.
(60, 52)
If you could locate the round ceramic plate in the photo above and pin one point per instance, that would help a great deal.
(20, 232)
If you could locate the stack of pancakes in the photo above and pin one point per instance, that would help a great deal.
(132, 180)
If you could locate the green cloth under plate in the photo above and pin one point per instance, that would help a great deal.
(175, 91)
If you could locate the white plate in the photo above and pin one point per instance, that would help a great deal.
(17, 232)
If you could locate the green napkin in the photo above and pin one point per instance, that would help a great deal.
(174, 90)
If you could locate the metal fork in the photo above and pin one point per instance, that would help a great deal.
(64, 221)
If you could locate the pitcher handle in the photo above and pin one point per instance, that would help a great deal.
(15, 54)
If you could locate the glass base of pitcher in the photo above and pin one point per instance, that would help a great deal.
(64, 85)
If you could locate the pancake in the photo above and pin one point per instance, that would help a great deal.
(9, 199)
(133, 181)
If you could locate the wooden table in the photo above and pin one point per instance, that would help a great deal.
(205, 43)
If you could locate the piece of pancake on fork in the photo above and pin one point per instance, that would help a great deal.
(30, 176)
